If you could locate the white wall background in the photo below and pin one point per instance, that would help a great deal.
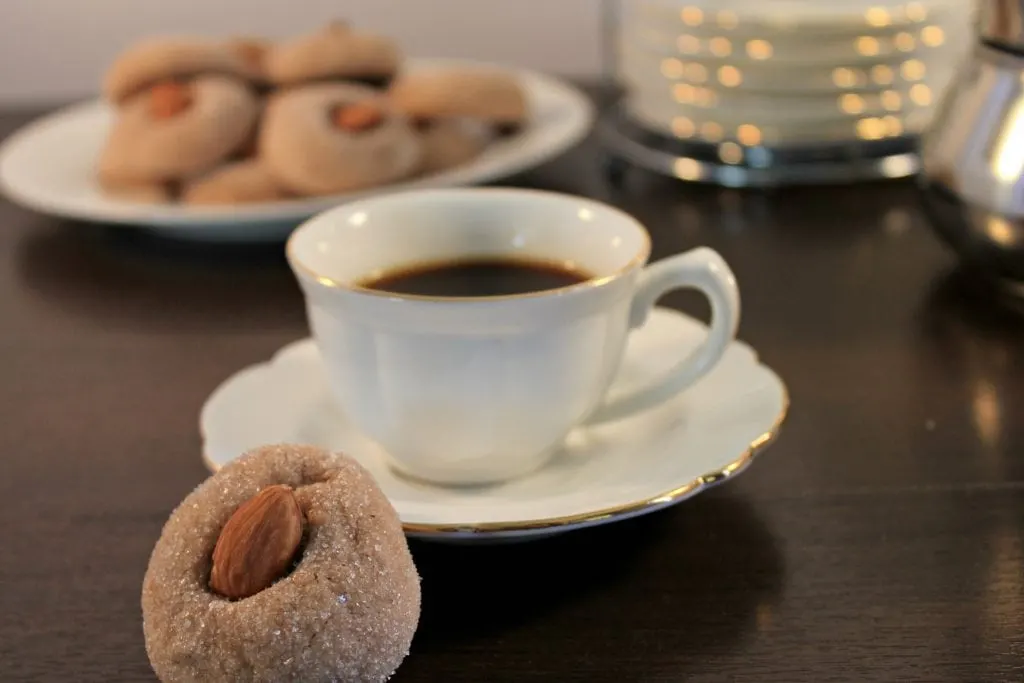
(53, 50)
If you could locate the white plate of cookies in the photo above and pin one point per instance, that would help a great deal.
(241, 139)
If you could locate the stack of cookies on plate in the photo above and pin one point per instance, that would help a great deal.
(248, 120)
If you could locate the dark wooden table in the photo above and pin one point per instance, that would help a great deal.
(880, 539)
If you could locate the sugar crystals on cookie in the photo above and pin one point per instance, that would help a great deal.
(289, 564)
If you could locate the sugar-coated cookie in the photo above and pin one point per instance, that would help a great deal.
(176, 130)
(289, 564)
(448, 143)
(335, 52)
(239, 182)
(171, 57)
(335, 137)
(482, 93)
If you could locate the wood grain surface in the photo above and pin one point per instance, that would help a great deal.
(880, 539)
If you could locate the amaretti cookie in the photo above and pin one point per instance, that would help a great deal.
(482, 93)
(176, 130)
(245, 119)
(335, 137)
(287, 565)
(239, 182)
(448, 143)
(171, 57)
(335, 52)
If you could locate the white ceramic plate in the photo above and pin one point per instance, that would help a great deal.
(604, 473)
(48, 166)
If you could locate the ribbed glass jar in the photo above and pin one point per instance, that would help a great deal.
(761, 92)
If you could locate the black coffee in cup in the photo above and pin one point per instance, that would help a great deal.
(476, 278)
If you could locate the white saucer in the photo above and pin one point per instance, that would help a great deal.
(50, 164)
(605, 473)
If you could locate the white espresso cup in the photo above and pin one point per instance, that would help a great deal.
(472, 390)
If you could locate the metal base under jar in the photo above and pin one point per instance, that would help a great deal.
(631, 144)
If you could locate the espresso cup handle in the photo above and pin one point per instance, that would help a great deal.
(702, 269)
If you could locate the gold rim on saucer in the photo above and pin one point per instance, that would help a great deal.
(634, 508)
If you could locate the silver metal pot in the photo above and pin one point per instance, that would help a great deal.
(972, 175)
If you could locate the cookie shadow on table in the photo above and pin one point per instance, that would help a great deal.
(710, 562)
(127, 278)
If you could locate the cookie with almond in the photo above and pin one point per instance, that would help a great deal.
(336, 137)
(176, 130)
(289, 564)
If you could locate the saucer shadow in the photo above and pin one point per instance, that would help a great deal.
(130, 279)
(582, 598)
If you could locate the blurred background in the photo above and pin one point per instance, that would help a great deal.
(72, 41)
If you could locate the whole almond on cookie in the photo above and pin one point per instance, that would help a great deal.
(168, 99)
(358, 117)
(257, 544)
